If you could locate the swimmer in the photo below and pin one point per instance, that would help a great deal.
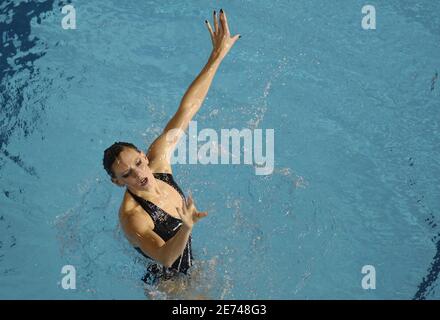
(155, 215)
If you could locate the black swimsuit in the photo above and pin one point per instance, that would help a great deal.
(166, 226)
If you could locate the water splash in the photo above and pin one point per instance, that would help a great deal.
(254, 123)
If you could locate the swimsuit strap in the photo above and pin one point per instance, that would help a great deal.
(168, 178)
(156, 213)
(166, 226)
(153, 211)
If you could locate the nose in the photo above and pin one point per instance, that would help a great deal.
(137, 173)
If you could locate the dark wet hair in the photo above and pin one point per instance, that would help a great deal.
(112, 152)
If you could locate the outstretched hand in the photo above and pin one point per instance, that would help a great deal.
(221, 38)
(188, 212)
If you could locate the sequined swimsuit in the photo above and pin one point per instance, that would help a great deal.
(166, 226)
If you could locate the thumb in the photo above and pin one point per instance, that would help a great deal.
(201, 214)
(235, 38)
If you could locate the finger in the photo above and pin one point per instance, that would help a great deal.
(201, 214)
(208, 25)
(190, 197)
(215, 23)
(190, 202)
(224, 22)
(235, 38)
(179, 212)
(183, 208)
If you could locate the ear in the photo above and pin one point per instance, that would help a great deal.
(117, 182)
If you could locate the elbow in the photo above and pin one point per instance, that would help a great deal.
(165, 259)
(160, 257)
(167, 263)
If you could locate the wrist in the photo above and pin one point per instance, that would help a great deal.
(186, 227)
(215, 58)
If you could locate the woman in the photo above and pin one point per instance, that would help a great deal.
(154, 214)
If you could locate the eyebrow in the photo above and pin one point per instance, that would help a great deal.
(129, 170)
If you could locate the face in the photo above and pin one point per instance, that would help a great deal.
(131, 170)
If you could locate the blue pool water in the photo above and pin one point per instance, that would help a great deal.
(356, 120)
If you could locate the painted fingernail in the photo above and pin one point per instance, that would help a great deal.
(206, 21)
(239, 36)
(221, 10)
(214, 11)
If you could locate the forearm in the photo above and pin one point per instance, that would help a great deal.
(192, 100)
(222, 42)
(174, 247)
(197, 91)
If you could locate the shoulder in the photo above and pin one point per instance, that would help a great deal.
(159, 154)
(159, 164)
(132, 216)
(127, 204)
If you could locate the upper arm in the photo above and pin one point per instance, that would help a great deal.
(143, 236)
(160, 151)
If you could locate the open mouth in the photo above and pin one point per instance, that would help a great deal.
(144, 182)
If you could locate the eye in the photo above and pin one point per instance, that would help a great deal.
(125, 175)
(138, 163)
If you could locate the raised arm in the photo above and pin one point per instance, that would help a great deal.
(161, 149)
